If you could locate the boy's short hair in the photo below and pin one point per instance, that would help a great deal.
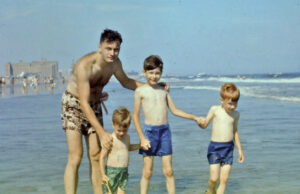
(153, 62)
(230, 91)
(110, 36)
(121, 117)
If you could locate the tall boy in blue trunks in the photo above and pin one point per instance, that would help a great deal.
(156, 138)
(224, 133)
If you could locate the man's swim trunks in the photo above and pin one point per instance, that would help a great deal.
(160, 140)
(220, 152)
(118, 177)
(72, 116)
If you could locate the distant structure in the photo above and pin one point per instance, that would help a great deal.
(41, 68)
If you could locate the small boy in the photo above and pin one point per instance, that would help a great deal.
(224, 135)
(156, 138)
(115, 173)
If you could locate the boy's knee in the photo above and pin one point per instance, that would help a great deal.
(147, 174)
(224, 180)
(168, 172)
(213, 180)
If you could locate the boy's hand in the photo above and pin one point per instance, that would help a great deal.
(105, 179)
(200, 121)
(241, 158)
(145, 144)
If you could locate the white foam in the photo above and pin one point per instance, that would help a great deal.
(249, 80)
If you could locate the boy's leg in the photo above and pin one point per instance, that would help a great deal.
(147, 173)
(213, 177)
(120, 191)
(75, 151)
(224, 175)
(93, 147)
(168, 172)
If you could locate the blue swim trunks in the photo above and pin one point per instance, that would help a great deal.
(220, 152)
(160, 140)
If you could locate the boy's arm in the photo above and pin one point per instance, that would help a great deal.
(103, 155)
(237, 140)
(124, 79)
(210, 115)
(145, 143)
(83, 84)
(132, 147)
(177, 111)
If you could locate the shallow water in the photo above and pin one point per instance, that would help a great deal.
(34, 153)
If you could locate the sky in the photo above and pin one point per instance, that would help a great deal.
(191, 36)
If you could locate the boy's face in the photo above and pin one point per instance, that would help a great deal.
(120, 130)
(152, 76)
(109, 50)
(229, 105)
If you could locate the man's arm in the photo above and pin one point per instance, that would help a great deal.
(237, 139)
(210, 115)
(124, 79)
(179, 112)
(84, 95)
(145, 143)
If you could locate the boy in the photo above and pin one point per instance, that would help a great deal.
(156, 139)
(116, 169)
(224, 133)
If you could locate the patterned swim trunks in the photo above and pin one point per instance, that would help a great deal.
(72, 116)
(118, 177)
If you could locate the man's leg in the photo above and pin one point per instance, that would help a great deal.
(168, 172)
(120, 191)
(224, 175)
(213, 177)
(93, 146)
(147, 173)
(74, 141)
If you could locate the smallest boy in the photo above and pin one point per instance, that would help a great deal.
(224, 135)
(115, 173)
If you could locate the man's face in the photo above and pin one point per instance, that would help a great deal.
(109, 50)
(120, 130)
(229, 105)
(152, 76)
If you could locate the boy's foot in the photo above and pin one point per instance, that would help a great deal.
(206, 192)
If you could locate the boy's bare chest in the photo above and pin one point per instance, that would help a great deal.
(155, 96)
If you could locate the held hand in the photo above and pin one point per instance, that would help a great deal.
(241, 158)
(200, 121)
(106, 140)
(145, 144)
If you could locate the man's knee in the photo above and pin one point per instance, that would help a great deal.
(74, 159)
(94, 155)
(168, 172)
(147, 174)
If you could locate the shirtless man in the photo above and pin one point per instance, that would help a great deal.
(81, 107)
(156, 138)
(115, 172)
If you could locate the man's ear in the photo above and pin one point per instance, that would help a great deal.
(99, 48)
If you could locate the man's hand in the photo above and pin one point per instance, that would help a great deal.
(106, 140)
(145, 144)
(105, 179)
(164, 85)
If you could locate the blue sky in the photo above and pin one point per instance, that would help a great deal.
(191, 36)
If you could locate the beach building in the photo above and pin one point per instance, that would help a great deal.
(41, 68)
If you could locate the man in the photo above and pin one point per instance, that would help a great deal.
(81, 107)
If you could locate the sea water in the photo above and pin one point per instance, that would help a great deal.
(33, 149)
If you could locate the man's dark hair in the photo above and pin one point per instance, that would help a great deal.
(153, 62)
(110, 36)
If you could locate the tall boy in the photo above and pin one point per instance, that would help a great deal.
(116, 170)
(156, 138)
(224, 136)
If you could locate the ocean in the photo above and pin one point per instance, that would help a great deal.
(33, 149)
